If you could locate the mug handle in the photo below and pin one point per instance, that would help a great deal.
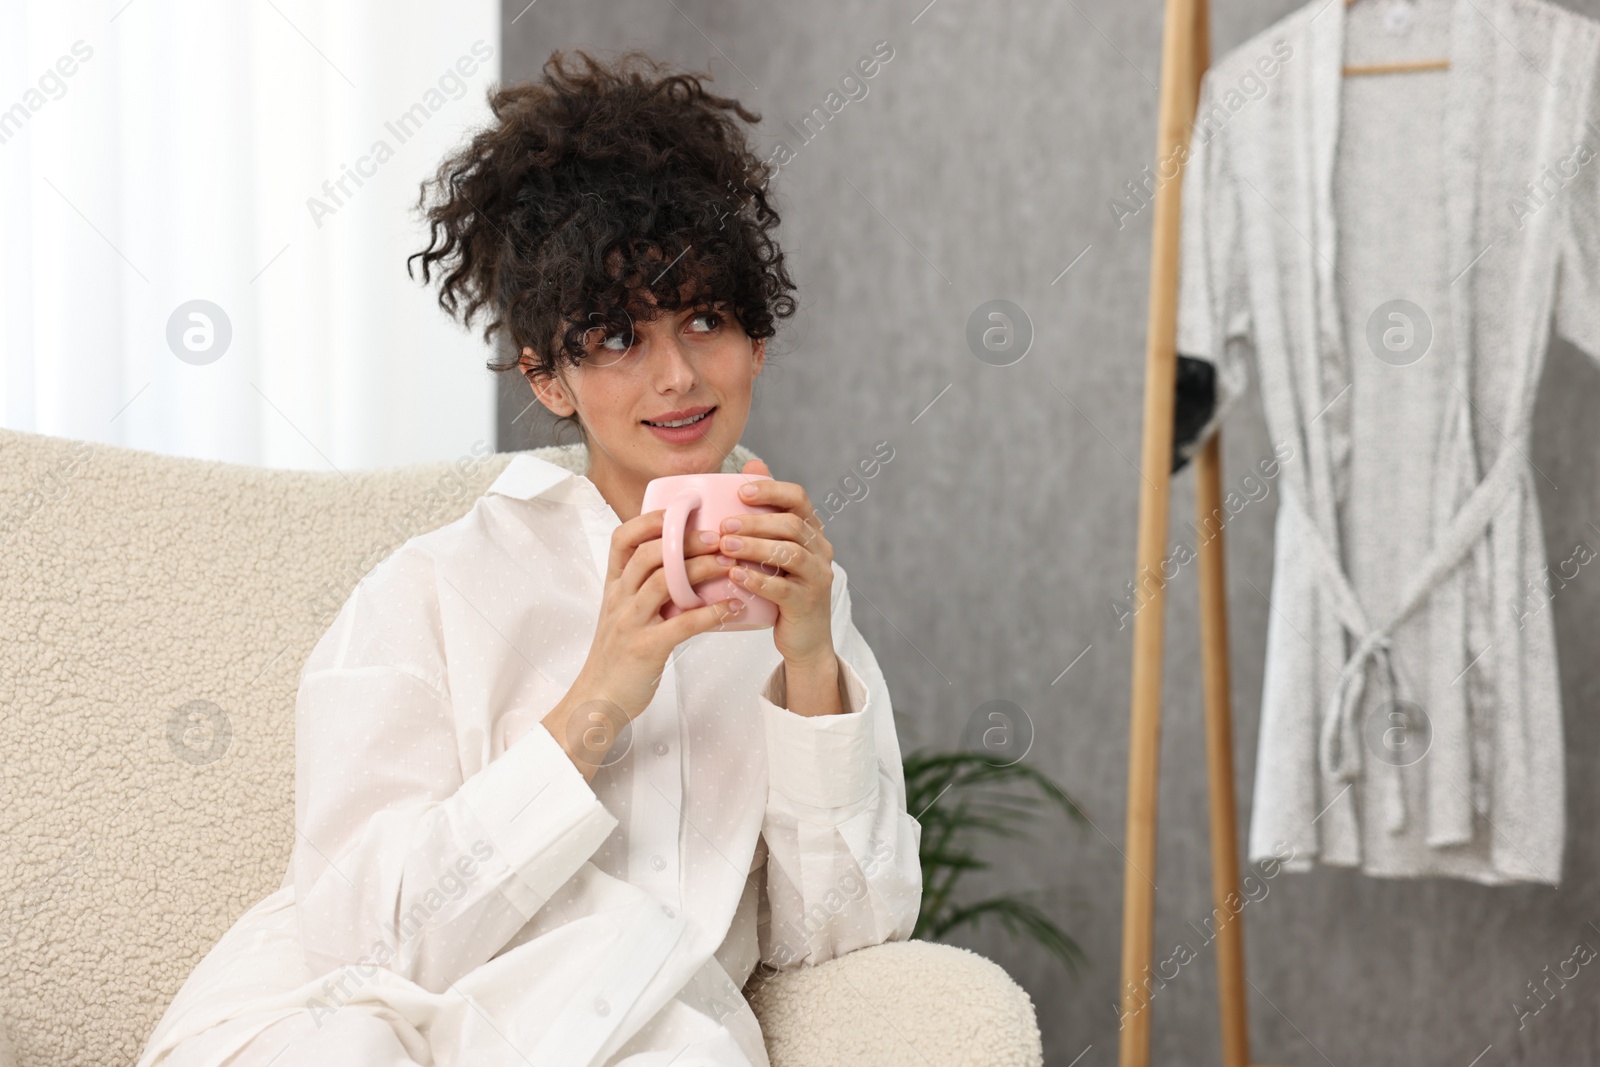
(673, 528)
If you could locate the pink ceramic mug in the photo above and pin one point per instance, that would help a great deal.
(696, 502)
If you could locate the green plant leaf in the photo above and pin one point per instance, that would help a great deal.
(1018, 917)
(957, 796)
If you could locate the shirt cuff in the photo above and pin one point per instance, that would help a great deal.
(540, 816)
(821, 761)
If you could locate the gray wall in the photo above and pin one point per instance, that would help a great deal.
(978, 167)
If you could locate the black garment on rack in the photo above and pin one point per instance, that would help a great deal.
(1196, 399)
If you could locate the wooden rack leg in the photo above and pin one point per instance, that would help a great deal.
(1219, 759)
(1181, 65)
(1232, 1015)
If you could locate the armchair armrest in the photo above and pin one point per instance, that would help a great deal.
(898, 1004)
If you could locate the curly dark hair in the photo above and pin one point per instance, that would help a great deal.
(591, 188)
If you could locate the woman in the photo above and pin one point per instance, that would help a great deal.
(535, 821)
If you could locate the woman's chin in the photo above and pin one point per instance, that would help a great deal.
(706, 459)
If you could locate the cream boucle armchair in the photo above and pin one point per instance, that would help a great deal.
(155, 617)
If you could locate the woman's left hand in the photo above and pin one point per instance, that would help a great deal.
(787, 560)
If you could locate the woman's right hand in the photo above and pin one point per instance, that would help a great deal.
(632, 642)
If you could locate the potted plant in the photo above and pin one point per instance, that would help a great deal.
(957, 795)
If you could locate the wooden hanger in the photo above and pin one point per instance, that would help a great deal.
(1395, 68)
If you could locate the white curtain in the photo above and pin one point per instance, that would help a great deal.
(262, 156)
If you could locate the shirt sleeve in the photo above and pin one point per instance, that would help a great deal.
(397, 861)
(843, 869)
(1213, 314)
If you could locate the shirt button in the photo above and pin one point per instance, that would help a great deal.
(661, 748)
(601, 1007)
(668, 912)
(657, 862)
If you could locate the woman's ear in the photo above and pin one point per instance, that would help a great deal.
(761, 354)
(547, 387)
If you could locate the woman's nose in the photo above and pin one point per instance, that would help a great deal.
(674, 370)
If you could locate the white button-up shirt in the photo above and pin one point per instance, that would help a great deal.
(453, 868)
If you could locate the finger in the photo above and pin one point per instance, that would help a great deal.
(795, 503)
(788, 496)
(645, 561)
(777, 588)
(650, 557)
(628, 536)
(655, 592)
(772, 557)
(695, 545)
(779, 525)
(699, 620)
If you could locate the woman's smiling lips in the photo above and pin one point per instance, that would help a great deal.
(682, 434)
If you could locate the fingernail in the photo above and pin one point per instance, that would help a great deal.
(724, 560)
(747, 490)
(730, 525)
(733, 544)
(736, 606)
(707, 537)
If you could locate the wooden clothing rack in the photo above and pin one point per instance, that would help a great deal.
(1186, 50)
(1185, 53)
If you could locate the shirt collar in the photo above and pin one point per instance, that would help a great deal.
(530, 474)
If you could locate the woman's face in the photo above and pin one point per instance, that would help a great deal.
(678, 365)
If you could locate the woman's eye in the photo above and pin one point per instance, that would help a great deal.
(616, 342)
(623, 342)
